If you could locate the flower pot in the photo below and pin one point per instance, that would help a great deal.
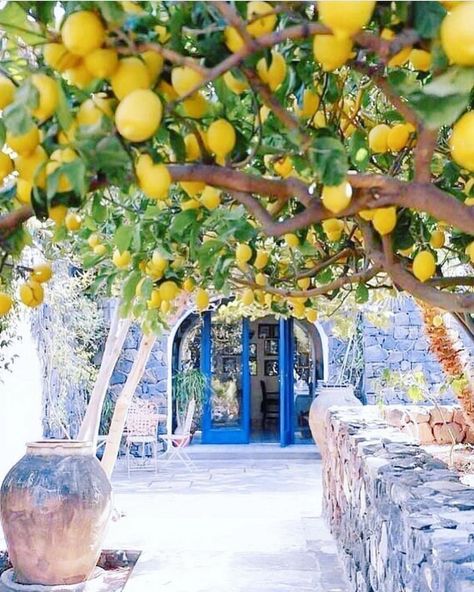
(55, 504)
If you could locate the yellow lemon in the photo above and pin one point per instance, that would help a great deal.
(234, 84)
(202, 299)
(184, 79)
(470, 251)
(6, 302)
(189, 284)
(398, 137)
(336, 198)
(191, 144)
(333, 228)
(247, 297)
(385, 220)
(138, 115)
(367, 214)
(260, 26)
(190, 204)
(73, 222)
(131, 74)
(274, 74)
(6, 166)
(221, 137)
(7, 91)
(461, 142)
(457, 34)
(424, 266)
(260, 279)
(31, 293)
(261, 259)
(155, 299)
(319, 120)
(121, 260)
(283, 166)
(159, 262)
(58, 57)
(311, 101)
(26, 143)
(168, 290)
(243, 253)
(58, 214)
(165, 306)
(192, 188)
(469, 201)
(102, 62)
(232, 39)
(68, 136)
(331, 52)
(311, 315)
(79, 76)
(304, 283)
(48, 96)
(155, 182)
(195, 106)
(93, 240)
(154, 62)
(347, 17)
(92, 110)
(59, 157)
(163, 33)
(83, 32)
(42, 272)
(291, 240)
(32, 166)
(211, 197)
(437, 239)
(378, 138)
(23, 191)
(420, 59)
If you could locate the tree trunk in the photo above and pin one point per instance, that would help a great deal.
(89, 429)
(446, 345)
(122, 405)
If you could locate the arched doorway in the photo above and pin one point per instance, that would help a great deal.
(260, 375)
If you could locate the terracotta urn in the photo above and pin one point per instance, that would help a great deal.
(55, 504)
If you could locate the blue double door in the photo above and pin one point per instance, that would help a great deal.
(225, 361)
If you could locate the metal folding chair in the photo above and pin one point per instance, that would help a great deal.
(141, 428)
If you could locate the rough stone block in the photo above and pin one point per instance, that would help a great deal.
(375, 353)
(447, 433)
(425, 433)
(400, 332)
(401, 318)
(395, 416)
(419, 414)
(442, 414)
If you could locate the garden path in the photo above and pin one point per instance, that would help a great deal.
(240, 526)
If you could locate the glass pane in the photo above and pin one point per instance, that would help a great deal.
(226, 363)
(303, 387)
(190, 346)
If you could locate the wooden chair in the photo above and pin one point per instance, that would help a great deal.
(176, 443)
(141, 428)
(270, 406)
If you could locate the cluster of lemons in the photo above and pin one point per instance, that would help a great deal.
(31, 292)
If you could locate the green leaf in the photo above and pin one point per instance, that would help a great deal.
(428, 17)
(177, 145)
(361, 294)
(324, 277)
(359, 150)
(123, 237)
(130, 285)
(111, 155)
(208, 253)
(436, 112)
(3, 132)
(99, 211)
(330, 160)
(14, 21)
(456, 80)
(17, 119)
(63, 110)
(182, 224)
(75, 171)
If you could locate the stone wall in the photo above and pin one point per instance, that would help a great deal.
(403, 521)
(440, 425)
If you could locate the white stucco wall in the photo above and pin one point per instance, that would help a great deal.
(20, 401)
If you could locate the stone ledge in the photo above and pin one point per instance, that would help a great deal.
(403, 521)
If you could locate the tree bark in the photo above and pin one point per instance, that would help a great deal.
(122, 405)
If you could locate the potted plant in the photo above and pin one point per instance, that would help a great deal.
(188, 384)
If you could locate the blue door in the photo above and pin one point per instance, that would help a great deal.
(286, 363)
(225, 363)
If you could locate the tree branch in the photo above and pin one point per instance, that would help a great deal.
(423, 153)
(9, 222)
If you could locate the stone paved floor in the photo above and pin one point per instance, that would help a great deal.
(233, 526)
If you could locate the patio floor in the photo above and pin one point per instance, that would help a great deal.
(240, 525)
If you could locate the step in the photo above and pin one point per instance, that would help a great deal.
(270, 451)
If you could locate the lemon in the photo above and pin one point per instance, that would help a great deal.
(437, 239)
(48, 96)
(83, 32)
(243, 253)
(378, 138)
(195, 106)
(154, 63)
(168, 290)
(102, 62)
(264, 113)
(420, 59)
(6, 166)
(470, 251)
(7, 91)
(260, 279)
(367, 214)
(333, 228)
(189, 284)
(155, 299)
(311, 101)
(424, 265)
(131, 7)
(6, 302)
(58, 57)
(32, 166)
(155, 182)
(385, 220)
(234, 84)
(221, 137)
(461, 142)
(73, 222)
(131, 74)
(406, 252)
(283, 166)
(261, 259)
(163, 33)
(274, 74)
(398, 137)
(211, 198)
(192, 188)
(165, 307)
(311, 315)
(23, 191)
(247, 297)
(79, 76)
(232, 39)
(31, 293)
(345, 18)
(457, 34)
(93, 110)
(336, 198)
(304, 283)
(299, 310)
(42, 272)
(26, 143)
(469, 201)
(59, 157)
(291, 240)
(138, 115)
(190, 204)
(184, 79)
(202, 299)
(319, 119)
(260, 26)
(468, 187)
(399, 58)
(68, 136)
(191, 144)
(121, 260)
(331, 52)
(58, 214)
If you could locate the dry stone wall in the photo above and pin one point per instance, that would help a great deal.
(403, 521)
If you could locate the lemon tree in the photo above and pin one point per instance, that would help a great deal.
(281, 152)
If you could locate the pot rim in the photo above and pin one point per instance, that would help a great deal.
(53, 443)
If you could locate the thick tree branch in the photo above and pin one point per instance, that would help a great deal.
(9, 222)
(423, 153)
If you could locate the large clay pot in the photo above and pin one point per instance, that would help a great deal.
(328, 396)
(55, 504)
